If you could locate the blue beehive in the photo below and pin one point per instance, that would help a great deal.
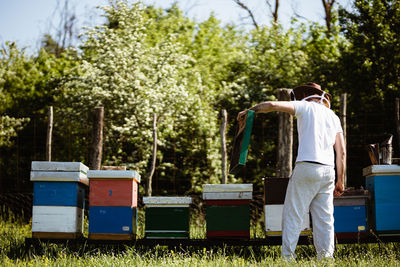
(112, 222)
(58, 199)
(383, 181)
(59, 194)
(350, 213)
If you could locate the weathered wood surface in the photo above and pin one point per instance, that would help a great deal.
(224, 122)
(104, 174)
(381, 170)
(97, 139)
(59, 176)
(227, 195)
(273, 219)
(113, 192)
(49, 136)
(285, 138)
(167, 201)
(59, 166)
(208, 188)
(57, 219)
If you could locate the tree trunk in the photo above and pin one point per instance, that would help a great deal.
(343, 111)
(275, 12)
(49, 134)
(97, 142)
(328, 4)
(285, 142)
(154, 157)
(223, 146)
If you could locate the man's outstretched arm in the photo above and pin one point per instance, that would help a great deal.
(265, 107)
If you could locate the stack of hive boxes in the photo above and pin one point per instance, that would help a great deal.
(167, 217)
(228, 210)
(113, 202)
(274, 197)
(58, 199)
(383, 182)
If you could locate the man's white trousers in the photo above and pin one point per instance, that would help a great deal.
(310, 188)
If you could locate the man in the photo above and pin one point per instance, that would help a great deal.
(312, 184)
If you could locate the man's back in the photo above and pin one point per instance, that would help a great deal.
(317, 128)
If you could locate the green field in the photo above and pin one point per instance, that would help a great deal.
(14, 252)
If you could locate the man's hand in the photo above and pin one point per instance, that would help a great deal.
(339, 189)
(241, 117)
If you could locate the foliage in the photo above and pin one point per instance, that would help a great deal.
(9, 127)
(145, 61)
(27, 86)
(369, 72)
(134, 79)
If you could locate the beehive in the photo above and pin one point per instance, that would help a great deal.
(112, 223)
(383, 182)
(227, 210)
(167, 217)
(274, 197)
(58, 199)
(350, 213)
(113, 204)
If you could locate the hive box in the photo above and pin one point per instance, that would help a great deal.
(113, 188)
(227, 210)
(112, 204)
(58, 199)
(274, 197)
(112, 223)
(167, 217)
(383, 182)
(350, 213)
(57, 222)
(59, 172)
(59, 194)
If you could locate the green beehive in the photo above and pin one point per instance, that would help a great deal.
(228, 210)
(167, 217)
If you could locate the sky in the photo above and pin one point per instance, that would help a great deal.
(26, 21)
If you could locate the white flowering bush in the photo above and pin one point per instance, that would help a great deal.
(134, 80)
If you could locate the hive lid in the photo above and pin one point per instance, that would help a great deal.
(59, 166)
(103, 174)
(243, 195)
(208, 188)
(382, 170)
(167, 200)
(43, 176)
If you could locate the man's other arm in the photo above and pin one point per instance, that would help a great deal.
(340, 150)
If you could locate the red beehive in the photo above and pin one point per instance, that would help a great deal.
(113, 188)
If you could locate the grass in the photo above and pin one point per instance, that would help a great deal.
(14, 252)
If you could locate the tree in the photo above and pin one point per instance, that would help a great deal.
(370, 68)
(135, 79)
(328, 6)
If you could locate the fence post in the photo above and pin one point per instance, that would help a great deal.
(343, 111)
(223, 146)
(285, 142)
(97, 142)
(49, 134)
